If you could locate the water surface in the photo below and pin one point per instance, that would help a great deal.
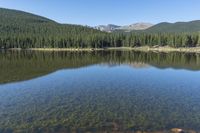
(98, 91)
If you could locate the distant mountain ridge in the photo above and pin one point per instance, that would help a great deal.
(24, 30)
(126, 28)
(107, 28)
(178, 27)
(18, 21)
(136, 26)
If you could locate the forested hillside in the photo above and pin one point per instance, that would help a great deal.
(193, 26)
(24, 30)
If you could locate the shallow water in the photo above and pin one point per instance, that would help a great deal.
(96, 91)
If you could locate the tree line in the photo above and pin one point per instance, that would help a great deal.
(97, 40)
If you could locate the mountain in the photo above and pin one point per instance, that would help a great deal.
(136, 26)
(20, 29)
(164, 27)
(20, 21)
(192, 26)
(23, 30)
(8, 16)
(107, 28)
(127, 28)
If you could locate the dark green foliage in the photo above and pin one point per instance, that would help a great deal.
(162, 39)
(24, 30)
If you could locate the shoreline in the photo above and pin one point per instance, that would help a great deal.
(166, 49)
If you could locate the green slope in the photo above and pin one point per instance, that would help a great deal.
(19, 29)
(8, 16)
(13, 21)
(23, 22)
(192, 26)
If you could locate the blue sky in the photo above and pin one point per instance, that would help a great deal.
(120, 12)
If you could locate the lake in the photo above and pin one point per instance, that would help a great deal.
(98, 91)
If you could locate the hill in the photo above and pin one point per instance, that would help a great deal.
(8, 15)
(192, 26)
(20, 29)
(20, 22)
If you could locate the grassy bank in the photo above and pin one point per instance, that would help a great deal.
(64, 49)
(143, 48)
(169, 49)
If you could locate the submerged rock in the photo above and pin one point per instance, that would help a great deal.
(177, 130)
